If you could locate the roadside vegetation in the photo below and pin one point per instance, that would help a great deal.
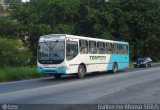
(15, 61)
(13, 53)
(18, 73)
(21, 24)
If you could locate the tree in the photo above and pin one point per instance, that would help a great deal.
(142, 18)
(13, 53)
(134, 21)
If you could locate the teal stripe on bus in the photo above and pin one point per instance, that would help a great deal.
(121, 59)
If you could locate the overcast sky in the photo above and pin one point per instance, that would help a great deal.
(25, 0)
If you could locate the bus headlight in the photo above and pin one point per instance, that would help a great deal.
(62, 67)
(67, 67)
(40, 70)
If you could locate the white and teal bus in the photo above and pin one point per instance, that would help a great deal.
(62, 54)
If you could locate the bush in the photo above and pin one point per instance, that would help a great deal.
(1, 9)
(13, 53)
(18, 73)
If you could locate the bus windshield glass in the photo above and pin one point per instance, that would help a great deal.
(51, 52)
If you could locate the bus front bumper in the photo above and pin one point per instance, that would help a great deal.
(51, 70)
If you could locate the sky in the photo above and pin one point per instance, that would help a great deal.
(25, 0)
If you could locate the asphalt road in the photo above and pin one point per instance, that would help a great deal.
(133, 86)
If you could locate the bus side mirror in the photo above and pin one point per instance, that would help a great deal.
(38, 47)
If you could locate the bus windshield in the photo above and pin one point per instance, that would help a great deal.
(51, 52)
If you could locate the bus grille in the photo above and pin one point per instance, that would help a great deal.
(50, 71)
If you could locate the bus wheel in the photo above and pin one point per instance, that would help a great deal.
(81, 71)
(115, 68)
(57, 76)
(146, 65)
(150, 65)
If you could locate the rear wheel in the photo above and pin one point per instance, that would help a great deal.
(81, 71)
(150, 65)
(146, 65)
(57, 76)
(115, 68)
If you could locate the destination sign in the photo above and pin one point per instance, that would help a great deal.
(97, 57)
(53, 37)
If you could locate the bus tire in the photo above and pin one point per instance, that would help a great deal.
(81, 71)
(114, 68)
(146, 65)
(150, 65)
(57, 76)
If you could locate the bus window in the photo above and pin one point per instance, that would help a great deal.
(100, 48)
(125, 49)
(109, 48)
(92, 47)
(83, 45)
(115, 48)
(71, 50)
(120, 48)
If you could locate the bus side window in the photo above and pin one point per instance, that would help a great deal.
(72, 50)
(120, 49)
(126, 49)
(115, 48)
(123, 50)
(92, 47)
(83, 45)
(109, 47)
(100, 48)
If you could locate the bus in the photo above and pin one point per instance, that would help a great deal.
(62, 54)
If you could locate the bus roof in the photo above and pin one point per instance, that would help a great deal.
(86, 38)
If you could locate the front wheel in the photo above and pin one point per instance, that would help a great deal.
(57, 76)
(115, 68)
(81, 71)
(150, 65)
(146, 65)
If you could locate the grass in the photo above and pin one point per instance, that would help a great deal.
(131, 63)
(18, 73)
